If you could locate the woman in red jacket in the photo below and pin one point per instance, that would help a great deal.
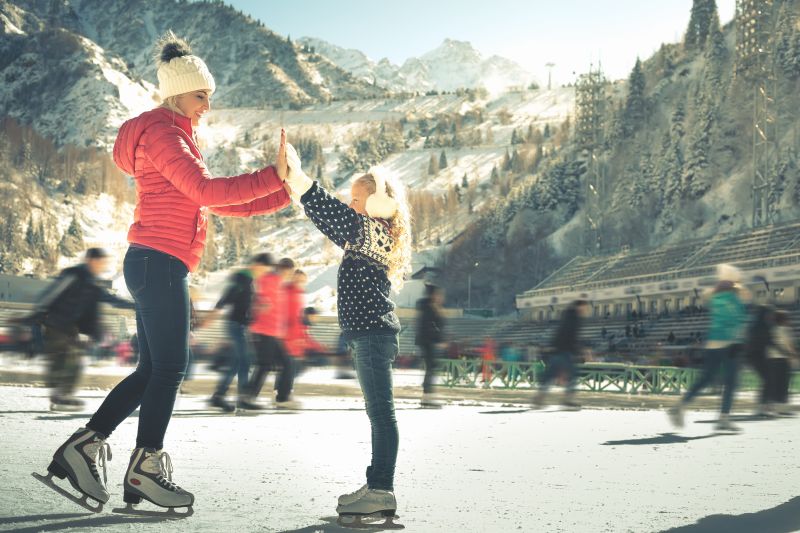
(175, 191)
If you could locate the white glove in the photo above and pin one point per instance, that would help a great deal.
(297, 179)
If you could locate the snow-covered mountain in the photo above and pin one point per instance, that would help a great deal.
(91, 59)
(452, 65)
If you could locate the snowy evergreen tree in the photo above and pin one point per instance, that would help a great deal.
(495, 177)
(464, 182)
(697, 32)
(635, 103)
(696, 176)
(72, 241)
(433, 166)
(31, 238)
(715, 54)
(442, 160)
(506, 164)
(786, 41)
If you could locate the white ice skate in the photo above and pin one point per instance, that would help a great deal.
(367, 511)
(345, 499)
(676, 415)
(77, 460)
(149, 477)
(67, 404)
(724, 425)
(293, 405)
(431, 401)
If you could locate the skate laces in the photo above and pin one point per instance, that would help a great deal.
(357, 493)
(160, 461)
(100, 452)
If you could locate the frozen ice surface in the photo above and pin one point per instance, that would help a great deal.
(462, 468)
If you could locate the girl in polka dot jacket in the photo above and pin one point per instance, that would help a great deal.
(374, 231)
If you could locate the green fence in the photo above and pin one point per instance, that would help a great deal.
(594, 377)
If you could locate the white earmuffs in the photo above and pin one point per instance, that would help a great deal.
(380, 204)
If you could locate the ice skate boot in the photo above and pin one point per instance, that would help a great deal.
(248, 403)
(724, 425)
(345, 499)
(149, 477)
(77, 460)
(539, 400)
(368, 510)
(676, 415)
(430, 401)
(289, 404)
(220, 402)
(66, 403)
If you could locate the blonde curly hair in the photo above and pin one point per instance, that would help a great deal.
(399, 227)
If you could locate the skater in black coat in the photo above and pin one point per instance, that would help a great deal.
(68, 307)
(430, 326)
(759, 339)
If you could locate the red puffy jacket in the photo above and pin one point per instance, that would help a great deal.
(295, 328)
(269, 309)
(174, 186)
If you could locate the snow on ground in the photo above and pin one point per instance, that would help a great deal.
(465, 468)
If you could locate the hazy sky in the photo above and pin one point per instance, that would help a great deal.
(570, 33)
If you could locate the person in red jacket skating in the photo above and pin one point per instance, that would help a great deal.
(295, 315)
(269, 334)
(174, 194)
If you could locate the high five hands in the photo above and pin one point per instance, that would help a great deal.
(289, 168)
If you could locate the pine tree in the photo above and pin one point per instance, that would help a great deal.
(30, 235)
(697, 32)
(231, 250)
(442, 160)
(696, 178)
(517, 163)
(72, 241)
(464, 182)
(506, 164)
(433, 166)
(495, 177)
(715, 54)
(785, 39)
(635, 104)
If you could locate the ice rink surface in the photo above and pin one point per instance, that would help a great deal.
(467, 467)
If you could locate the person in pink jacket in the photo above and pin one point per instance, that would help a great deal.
(175, 193)
(269, 334)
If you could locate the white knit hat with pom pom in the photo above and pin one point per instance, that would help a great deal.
(178, 70)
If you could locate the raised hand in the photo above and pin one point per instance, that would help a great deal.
(281, 165)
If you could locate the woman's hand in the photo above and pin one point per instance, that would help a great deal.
(281, 166)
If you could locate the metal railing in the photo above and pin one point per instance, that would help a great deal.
(592, 377)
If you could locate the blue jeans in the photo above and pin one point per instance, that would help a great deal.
(373, 355)
(240, 362)
(558, 362)
(158, 284)
(724, 361)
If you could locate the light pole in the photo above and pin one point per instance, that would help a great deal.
(469, 285)
(549, 74)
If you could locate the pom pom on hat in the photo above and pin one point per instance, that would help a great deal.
(178, 70)
(730, 273)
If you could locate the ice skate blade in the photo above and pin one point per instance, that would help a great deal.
(58, 408)
(82, 501)
(170, 513)
(368, 521)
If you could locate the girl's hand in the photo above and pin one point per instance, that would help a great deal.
(281, 165)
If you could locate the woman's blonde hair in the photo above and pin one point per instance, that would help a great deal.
(399, 227)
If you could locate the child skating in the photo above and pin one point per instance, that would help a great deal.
(374, 231)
